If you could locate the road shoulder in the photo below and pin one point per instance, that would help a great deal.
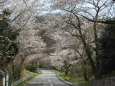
(66, 82)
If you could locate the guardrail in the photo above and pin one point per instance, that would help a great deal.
(21, 80)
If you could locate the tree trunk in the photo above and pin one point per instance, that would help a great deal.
(88, 53)
(67, 70)
(85, 75)
(98, 75)
(13, 70)
(66, 73)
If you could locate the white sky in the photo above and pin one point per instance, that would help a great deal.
(46, 6)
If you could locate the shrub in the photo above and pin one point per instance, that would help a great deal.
(32, 68)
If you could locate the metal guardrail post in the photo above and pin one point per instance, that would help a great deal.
(3, 77)
(3, 81)
(7, 79)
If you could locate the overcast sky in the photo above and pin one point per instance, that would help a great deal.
(44, 6)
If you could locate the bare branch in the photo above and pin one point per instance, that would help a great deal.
(99, 21)
(18, 15)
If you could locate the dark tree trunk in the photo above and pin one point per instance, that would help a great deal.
(66, 72)
(85, 76)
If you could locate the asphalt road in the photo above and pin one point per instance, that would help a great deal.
(47, 78)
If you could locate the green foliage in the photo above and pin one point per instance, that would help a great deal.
(67, 78)
(6, 12)
(32, 67)
(72, 79)
(107, 50)
(8, 45)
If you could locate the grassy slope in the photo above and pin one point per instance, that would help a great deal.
(71, 79)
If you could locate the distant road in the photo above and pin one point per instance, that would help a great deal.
(47, 78)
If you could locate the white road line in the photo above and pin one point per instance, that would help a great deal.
(49, 80)
(51, 84)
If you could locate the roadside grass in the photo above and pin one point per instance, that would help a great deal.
(26, 73)
(92, 81)
(71, 79)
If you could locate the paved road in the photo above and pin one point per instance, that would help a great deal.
(47, 78)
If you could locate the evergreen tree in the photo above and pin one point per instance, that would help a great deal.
(107, 50)
(8, 45)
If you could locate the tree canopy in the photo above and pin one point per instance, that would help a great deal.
(8, 45)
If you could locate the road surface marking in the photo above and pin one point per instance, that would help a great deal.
(49, 80)
(51, 84)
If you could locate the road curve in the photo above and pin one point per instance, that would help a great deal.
(47, 78)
